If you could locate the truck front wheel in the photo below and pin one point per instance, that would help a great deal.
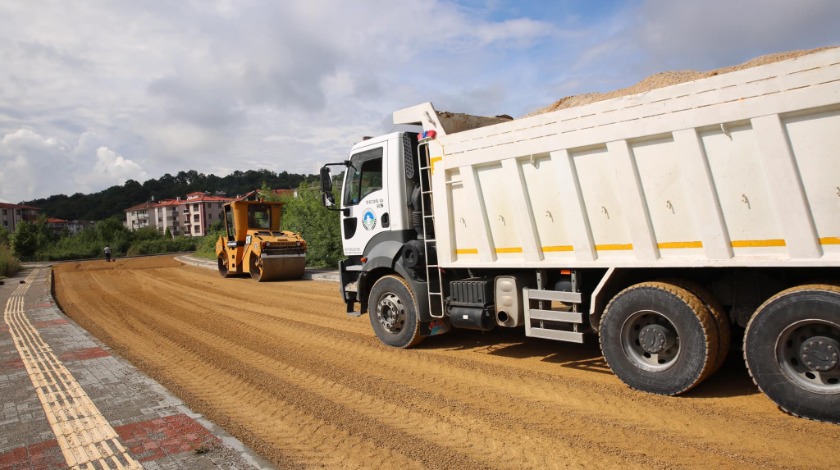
(393, 313)
(792, 349)
(659, 338)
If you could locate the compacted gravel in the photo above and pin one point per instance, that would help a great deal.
(280, 366)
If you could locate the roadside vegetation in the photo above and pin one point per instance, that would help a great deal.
(9, 264)
(317, 225)
(303, 214)
(36, 242)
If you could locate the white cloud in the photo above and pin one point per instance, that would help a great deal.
(33, 162)
(229, 85)
(110, 165)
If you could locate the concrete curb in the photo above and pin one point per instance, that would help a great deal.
(310, 274)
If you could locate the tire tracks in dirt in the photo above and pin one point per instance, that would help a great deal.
(281, 367)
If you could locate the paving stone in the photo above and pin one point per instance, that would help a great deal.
(157, 430)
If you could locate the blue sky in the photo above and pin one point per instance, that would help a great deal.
(97, 92)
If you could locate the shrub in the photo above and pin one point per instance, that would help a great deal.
(9, 265)
(207, 245)
(317, 225)
(163, 245)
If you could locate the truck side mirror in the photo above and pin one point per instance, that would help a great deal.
(326, 181)
(327, 199)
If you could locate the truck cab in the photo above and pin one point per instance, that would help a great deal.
(378, 216)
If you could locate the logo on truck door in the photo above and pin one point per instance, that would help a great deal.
(369, 220)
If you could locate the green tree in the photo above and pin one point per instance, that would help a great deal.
(5, 237)
(25, 240)
(318, 226)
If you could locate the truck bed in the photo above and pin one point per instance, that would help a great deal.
(739, 169)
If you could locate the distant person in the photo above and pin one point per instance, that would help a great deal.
(107, 254)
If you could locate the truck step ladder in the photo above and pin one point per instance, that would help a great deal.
(433, 277)
(559, 324)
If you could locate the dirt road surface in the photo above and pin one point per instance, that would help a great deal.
(281, 367)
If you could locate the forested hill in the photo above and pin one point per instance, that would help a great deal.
(114, 200)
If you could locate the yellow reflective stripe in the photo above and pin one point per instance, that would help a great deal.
(513, 249)
(615, 247)
(757, 243)
(432, 163)
(830, 241)
(670, 245)
(466, 251)
(558, 248)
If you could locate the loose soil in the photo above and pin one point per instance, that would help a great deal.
(284, 369)
(664, 79)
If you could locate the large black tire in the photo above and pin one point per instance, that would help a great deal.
(255, 269)
(724, 328)
(223, 267)
(393, 313)
(659, 338)
(792, 350)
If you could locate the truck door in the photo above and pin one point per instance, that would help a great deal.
(365, 199)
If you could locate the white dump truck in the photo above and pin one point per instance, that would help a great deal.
(663, 223)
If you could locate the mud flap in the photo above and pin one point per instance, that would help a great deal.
(435, 327)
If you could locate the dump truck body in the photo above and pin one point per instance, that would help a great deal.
(656, 221)
(739, 169)
(253, 243)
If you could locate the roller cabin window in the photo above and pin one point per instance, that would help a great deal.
(364, 176)
(259, 216)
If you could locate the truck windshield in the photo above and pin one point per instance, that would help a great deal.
(364, 176)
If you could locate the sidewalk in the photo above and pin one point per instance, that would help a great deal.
(67, 401)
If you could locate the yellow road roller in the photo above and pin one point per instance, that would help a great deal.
(254, 244)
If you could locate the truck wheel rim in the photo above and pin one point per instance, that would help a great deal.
(808, 353)
(391, 313)
(650, 341)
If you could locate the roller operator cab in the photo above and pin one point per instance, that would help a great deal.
(254, 245)
(662, 225)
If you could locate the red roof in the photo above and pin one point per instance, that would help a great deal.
(196, 198)
(144, 205)
(206, 198)
(4, 205)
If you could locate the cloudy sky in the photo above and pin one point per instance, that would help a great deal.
(96, 92)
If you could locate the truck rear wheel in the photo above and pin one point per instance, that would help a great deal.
(724, 329)
(792, 350)
(393, 313)
(659, 338)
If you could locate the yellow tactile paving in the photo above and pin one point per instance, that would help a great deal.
(85, 437)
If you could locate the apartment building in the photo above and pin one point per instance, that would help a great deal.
(13, 214)
(137, 217)
(190, 216)
(57, 226)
